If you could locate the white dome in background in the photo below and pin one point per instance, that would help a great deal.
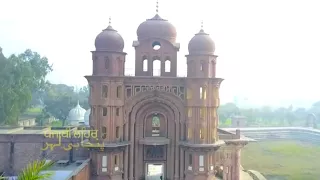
(87, 117)
(76, 115)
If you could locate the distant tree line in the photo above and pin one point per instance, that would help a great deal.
(23, 85)
(268, 116)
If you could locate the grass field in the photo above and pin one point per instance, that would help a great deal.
(283, 160)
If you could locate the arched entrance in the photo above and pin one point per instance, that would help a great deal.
(155, 131)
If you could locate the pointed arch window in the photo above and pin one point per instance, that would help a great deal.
(201, 66)
(203, 93)
(145, 63)
(190, 162)
(155, 125)
(104, 111)
(106, 62)
(189, 112)
(119, 91)
(189, 93)
(104, 163)
(167, 65)
(190, 159)
(105, 91)
(156, 71)
(117, 132)
(189, 133)
(104, 132)
(201, 163)
(201, 133)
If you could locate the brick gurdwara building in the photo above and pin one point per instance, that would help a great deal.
(156, 125)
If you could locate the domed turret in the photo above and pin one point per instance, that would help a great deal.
(201, 43)
(109, 40)
(76, 115)
(157, 27)
(87, 117)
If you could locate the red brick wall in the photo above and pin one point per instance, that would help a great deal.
(28, 148)
(4, 156)
(84, 174)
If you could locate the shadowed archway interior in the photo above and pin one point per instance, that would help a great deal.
(155, 124)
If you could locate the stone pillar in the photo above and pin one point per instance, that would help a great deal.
(125, 167)
(237, 164)
(132, 139)
(176, 167)
(182, 163)
(126, 153)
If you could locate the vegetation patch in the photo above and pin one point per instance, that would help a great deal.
(283, 160)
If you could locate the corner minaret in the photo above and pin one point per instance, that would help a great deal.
(201, 60)
(109, 58)
(202, 103)
(106, 102)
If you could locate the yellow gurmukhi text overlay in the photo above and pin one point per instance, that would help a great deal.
(84, 135)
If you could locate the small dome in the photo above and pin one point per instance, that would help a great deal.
(201, 43)
(76, 115)
(109, 40)
(157, 27)
(87, 117)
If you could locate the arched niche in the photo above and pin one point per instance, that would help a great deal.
(136, 111)
(167, 98)
(155, 125)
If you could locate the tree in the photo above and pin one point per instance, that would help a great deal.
(35, 171)
(59, 99)
(20, 75)
(226, 111)
(83, 96)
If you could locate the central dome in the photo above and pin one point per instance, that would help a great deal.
(157, 27)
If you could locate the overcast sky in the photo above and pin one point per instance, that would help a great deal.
(268, 49)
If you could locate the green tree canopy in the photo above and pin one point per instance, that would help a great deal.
(59, 99)
(20, 76)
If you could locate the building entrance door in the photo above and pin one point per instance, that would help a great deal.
(154, 171)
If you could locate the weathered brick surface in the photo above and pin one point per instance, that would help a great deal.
(81, 154)
(25, 153)
(28, 148)
(58, 153)
(83, 174)
(4, 156)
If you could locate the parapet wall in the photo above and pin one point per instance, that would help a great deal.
(281, 133)
(20, 147)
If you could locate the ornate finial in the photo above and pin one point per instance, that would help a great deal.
(201, 24)
(109, 20)
(157, 7)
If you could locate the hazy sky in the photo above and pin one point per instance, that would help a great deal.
(268, 49)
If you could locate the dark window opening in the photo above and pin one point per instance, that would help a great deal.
(104, 112)
(117, 111)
